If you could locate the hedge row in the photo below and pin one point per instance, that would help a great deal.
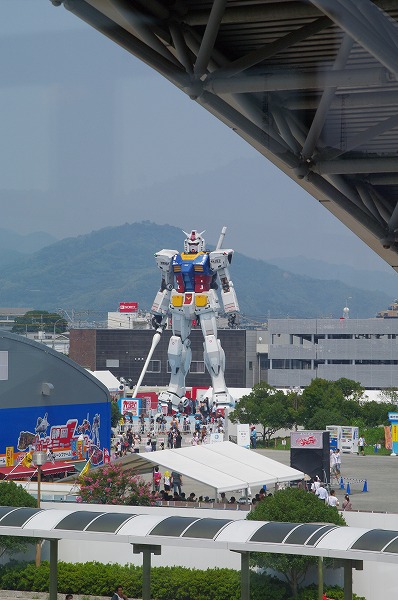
(167, 583)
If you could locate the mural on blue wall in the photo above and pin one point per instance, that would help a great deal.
(68, 432)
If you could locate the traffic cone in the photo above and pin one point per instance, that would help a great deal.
(348, 488)
(365, 486)
(342, 483)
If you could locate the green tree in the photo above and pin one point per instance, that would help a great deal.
(12, 494)
(110, 484)
(266, 406)
(331, 403)
(40, 320)
(376, 413)
(390, 395)
(292, 505)
(115, 414)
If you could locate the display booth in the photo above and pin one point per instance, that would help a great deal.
(310, 453)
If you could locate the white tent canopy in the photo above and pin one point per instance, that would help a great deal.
(223, 466)
(108, 379)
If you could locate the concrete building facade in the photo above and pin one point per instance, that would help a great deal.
(364, 350)
(123, 352)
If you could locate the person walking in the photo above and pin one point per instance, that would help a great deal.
(332, 500)
(178, 439)
(253, 437)
(361, 446)
(335, 465)
(176, 480)
(322, 493)
(157, 478)
(167, 481)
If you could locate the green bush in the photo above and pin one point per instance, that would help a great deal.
(167, 583)
(311, 593)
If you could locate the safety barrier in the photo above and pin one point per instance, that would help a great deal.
(350, 480)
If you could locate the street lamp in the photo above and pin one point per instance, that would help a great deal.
(39, 459)
(57, 321)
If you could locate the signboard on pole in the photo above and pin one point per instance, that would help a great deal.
(306, 439)
(243, 435)
(393, 418)
(128, 307)
(9, 456)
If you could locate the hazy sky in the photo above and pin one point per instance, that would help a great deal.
(92, 137)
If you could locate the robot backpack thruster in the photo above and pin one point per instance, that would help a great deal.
(188, 293)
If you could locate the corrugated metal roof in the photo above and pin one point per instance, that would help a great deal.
(312, 85)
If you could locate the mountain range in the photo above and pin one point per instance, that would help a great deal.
(98, 270)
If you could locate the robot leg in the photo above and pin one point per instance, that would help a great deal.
(214, 358)
(179, 356)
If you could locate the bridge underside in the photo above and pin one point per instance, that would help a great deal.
(312, 85)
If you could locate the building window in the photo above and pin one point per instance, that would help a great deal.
(112, 363)
(154, 366)
(340, 362)
(197, 366)
(340, 336)
(250, 366)
(3, 365)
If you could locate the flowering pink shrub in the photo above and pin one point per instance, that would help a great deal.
(110, 484)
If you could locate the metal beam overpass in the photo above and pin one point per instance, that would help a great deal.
(311, 84)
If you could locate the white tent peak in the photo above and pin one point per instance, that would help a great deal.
(224, 466)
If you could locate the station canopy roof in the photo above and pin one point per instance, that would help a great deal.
(223, 466)
(101, 525)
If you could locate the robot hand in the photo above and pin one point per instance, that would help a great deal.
(157, 322)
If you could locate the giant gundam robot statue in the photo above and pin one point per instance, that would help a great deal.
(188, 292)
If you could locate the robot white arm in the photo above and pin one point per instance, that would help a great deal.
(219, 263)
(160, 306)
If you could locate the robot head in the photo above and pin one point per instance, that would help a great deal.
(194, 242)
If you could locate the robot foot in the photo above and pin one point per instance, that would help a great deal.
(167, 396)
(223, 399)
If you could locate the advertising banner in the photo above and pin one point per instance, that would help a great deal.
(216, 437)
(128, 307)
(387, 437)
(130, 405)
(70, 432)
(306, 439)
(10, 456)
(243, 435)
(393, 418)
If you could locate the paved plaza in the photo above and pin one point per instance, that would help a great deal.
(380, 473)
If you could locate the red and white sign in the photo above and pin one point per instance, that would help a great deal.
(130, 406)
(128, 307)
(306, 439)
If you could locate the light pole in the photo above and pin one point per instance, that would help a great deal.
(260, 339)
(39, 459)
(57, 321)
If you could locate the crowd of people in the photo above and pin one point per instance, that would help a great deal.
(320, 489)
(199, 420)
